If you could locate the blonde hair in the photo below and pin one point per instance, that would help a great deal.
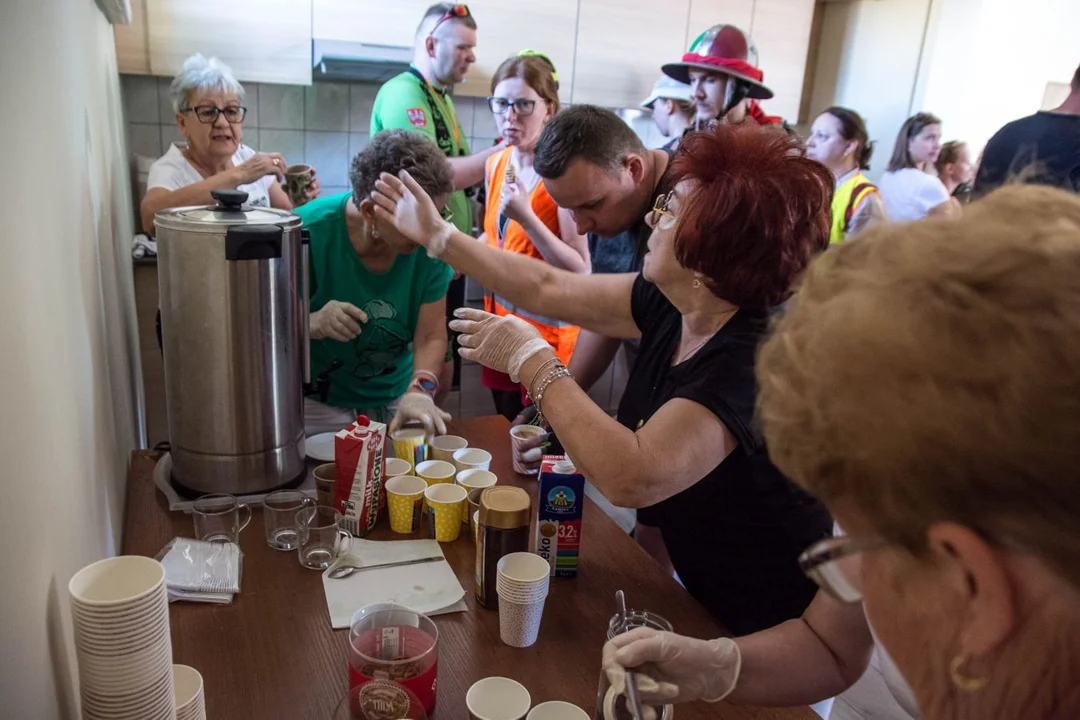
(931, 372)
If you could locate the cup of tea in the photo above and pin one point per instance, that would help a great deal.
(298, 179)
(392, 643)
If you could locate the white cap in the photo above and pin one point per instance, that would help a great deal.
(667, 87)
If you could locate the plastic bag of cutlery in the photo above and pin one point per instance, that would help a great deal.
(201, 571)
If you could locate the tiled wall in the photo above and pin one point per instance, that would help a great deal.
(323, 125)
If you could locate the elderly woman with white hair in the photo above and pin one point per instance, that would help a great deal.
(209, 105)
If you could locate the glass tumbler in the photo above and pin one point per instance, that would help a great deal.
(609, 704)
(279, 515)
(319, 538)
(217, 518)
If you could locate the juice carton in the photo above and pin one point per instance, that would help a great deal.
(358, 474)
(558, 521)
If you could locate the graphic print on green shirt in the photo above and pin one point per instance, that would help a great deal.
(404, 103)
(378, 364)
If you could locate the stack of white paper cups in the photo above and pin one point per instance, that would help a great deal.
(188, 693)
(522, 585)
(120, 612)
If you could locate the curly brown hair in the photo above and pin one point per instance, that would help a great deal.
(929, 373)
(392, 151)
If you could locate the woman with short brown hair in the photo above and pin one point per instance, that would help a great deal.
(684, 448)
(924, 384)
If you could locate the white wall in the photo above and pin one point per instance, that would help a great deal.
(977, 64)
(68, 370)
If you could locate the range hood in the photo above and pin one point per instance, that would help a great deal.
(358, 62)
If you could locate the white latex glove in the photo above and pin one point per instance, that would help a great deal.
(336, 320)
(404, 204)
(676, 668)
(420, 407)
(500, 342)
(514, 201)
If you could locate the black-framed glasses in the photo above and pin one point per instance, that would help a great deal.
(522, 106)
(834, 564)
(662, 217)
(455, 11)
(447, 214)
(209, 113)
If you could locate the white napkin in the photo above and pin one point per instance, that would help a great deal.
(194, 567)
(430, 588)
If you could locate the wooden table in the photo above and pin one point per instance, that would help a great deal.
(272, 654)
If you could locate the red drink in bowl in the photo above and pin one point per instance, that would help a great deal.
(391, 642)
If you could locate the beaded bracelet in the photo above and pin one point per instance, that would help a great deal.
(532, 383)
(556, 374)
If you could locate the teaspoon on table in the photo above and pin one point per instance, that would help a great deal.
(343, 571)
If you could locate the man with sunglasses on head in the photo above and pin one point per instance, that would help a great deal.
(419, 100)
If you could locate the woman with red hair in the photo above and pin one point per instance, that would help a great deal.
(685, 447)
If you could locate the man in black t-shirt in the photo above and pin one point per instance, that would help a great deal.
(595, 166)
(1043, 149)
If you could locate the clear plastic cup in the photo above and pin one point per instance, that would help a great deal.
(390, 642)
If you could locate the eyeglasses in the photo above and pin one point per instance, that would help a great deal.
(455, 11)
(661, 217)
(209, 113)
(522, 106)
(833, 563)
(447, 214)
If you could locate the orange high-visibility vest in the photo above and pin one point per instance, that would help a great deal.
(510, 236)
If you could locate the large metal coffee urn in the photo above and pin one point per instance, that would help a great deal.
(233, 318)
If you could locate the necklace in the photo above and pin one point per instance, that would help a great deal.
(685, 355)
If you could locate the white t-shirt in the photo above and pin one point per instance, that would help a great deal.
(909, 194)
(172, 171)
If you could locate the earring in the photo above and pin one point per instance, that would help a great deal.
(696, 284)
(374, 233)
(967, 683)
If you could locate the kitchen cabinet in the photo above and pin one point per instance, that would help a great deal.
(261, 40)
(505, 27)
(621, 45)
(375, 22)
(132, 49)
(781, 30)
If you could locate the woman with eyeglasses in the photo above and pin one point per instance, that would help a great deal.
(521, 216)
(909, 188)
(923, 384)
(685, 445)
(209, 106)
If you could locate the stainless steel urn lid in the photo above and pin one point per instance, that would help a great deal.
(229, 211)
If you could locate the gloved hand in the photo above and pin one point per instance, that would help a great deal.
(336, 320)
(529, 453)
(500, 342)
(405, 205)
(420, 407)
(676, 668)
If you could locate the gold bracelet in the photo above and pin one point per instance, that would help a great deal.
(557, 374)
(536, 374)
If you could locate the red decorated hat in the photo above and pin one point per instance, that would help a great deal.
(723, 49)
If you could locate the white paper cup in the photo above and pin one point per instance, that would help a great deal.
(443, 447)
(436, 471)
(519, 623)
(473, 479)
(467, 458)
(188, 693)
(116, 582)
(497, 698)
(396, 467)
(524, 568)
(520, 593)
(557, 710)
(519, 434)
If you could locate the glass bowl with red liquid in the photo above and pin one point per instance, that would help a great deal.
(390, 642)
(380, 700)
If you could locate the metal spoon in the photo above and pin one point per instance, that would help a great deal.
(344, 571)
(633, 700)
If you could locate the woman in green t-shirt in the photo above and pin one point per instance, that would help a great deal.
(378, 306)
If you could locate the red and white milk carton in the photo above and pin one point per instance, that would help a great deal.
(358, 474)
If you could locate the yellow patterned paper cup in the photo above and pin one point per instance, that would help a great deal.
(397, 466)
(405, 500)
(436, 471)
(444, 511)
(410, 444)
